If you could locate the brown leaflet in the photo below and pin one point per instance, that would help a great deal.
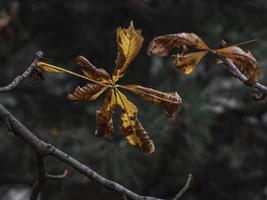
(89, 70)
(129, 42)
(245, 62)
(88, 92)
(104, 123)
(131, 127)
(161, 45)
(186, 63)
(169, 101)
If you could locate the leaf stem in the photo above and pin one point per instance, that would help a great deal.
(40, 64)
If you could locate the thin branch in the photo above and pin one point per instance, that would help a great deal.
(45, 149)
(185, 188)
(57, 177)
(236, 72)
(42, 177)
(23, 76)
(40, 181)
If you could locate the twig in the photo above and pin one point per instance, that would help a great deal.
(57, 177)
(244, 79)
(23, 76)
(42, 177)
(40, 181)
(185, 188)
(45, 149)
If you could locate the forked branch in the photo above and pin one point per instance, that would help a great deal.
(23, 76)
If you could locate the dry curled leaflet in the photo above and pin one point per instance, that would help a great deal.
(186, 61)
(129, 43)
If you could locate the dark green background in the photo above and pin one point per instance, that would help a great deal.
(219, 134)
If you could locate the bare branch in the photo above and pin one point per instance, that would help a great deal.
(57, 177)
(185, 188)
(42, 177)
(23, 76)
(236, 72)
(44, 149)
(39, 183)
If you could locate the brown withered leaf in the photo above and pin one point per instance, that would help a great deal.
(186, 63)
(88, 92)
(129, 42)
(161, 45)
(104, 117)
(245, 62)
(131, 127)
(169, 101)
(89, 70)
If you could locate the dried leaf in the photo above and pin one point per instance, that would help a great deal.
(186, 63)
(131, 127)
(88, 92)
(89, 70)
(161, 45)
(245, 62)
(129, 42)
(169, 101)
(104, 117)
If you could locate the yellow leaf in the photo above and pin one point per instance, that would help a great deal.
(131, 127)
(129, 42)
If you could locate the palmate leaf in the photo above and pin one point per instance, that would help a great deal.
(187, 61)
(129, 42)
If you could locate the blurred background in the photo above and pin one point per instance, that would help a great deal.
(219, 134)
